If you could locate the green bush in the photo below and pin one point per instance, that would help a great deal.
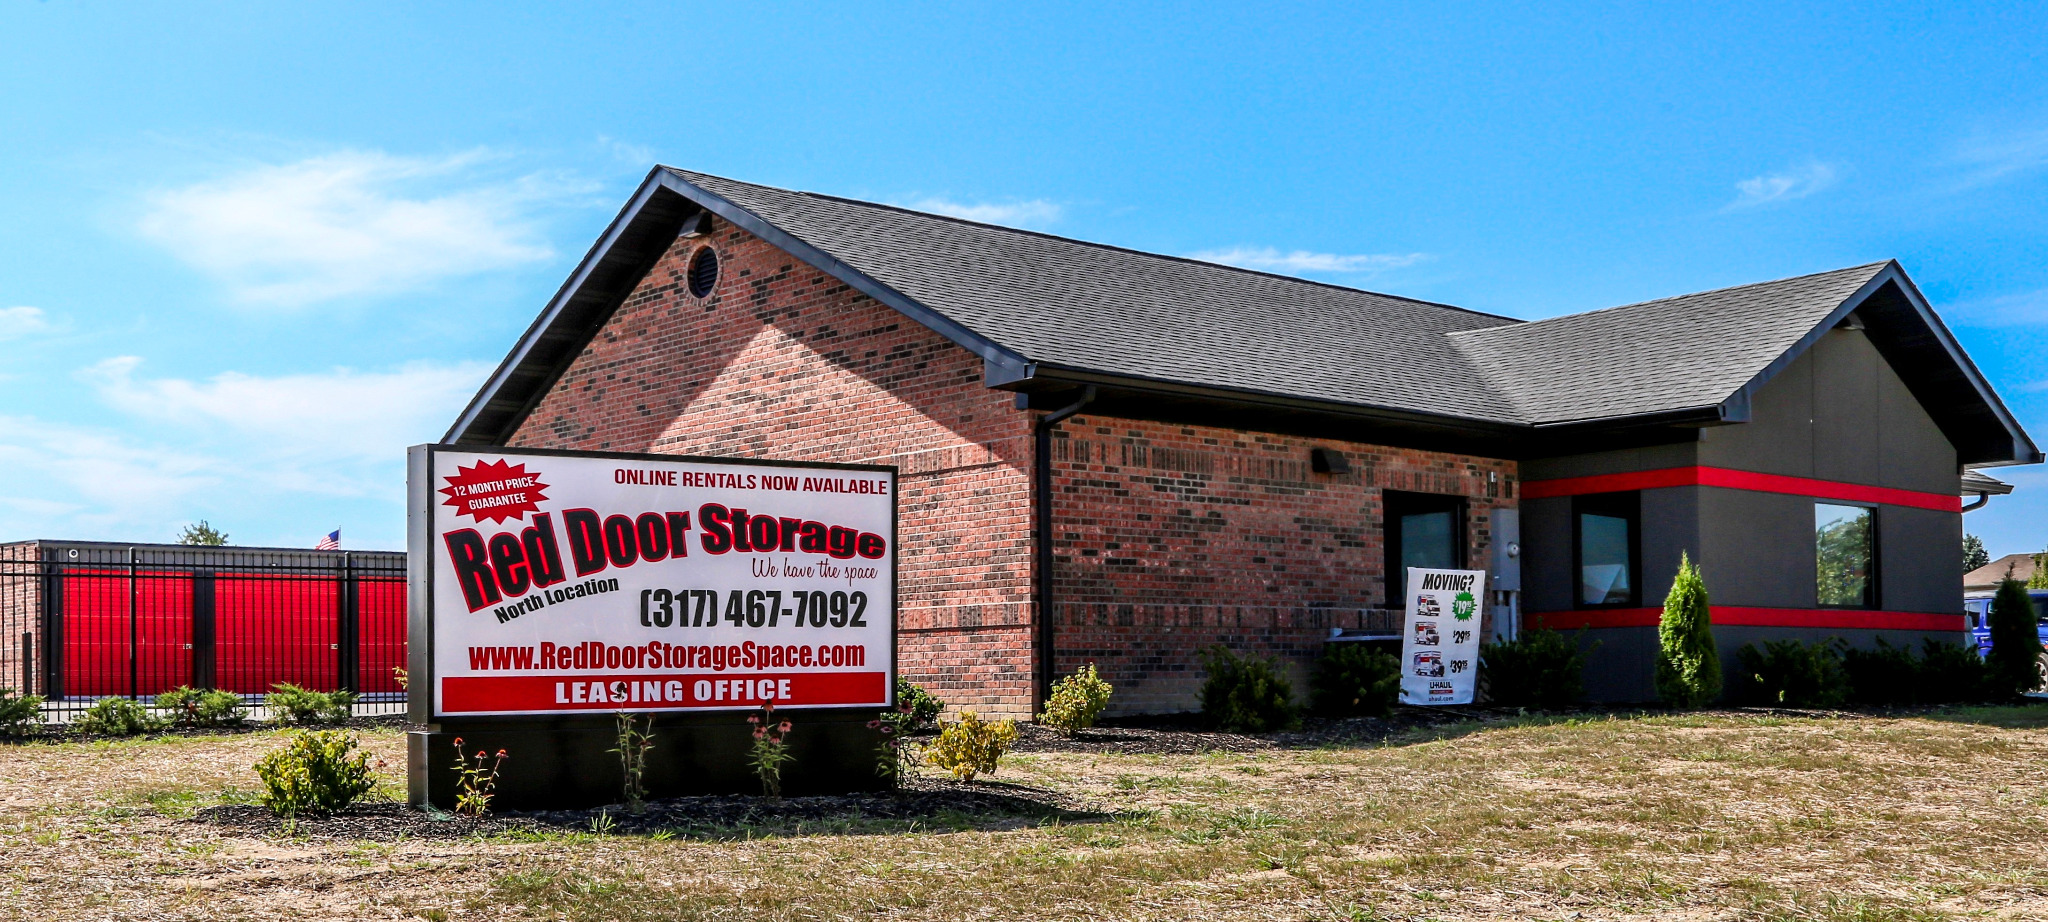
(1787, 673)
(971, 746)
(1885, 676)
(1353, 680)
(116, 717)
(1246, 694)
(1950, 672)
(1688, 665)
(290, 704)
(1542, 669)
(318, 771)
(2013, 666)
(916, 709)
(193, 707)
(19, 714)
(1076, 701)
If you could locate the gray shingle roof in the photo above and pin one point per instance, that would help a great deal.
(1088, 306)
(1658, 356)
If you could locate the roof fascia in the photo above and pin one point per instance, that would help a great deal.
(660, 179)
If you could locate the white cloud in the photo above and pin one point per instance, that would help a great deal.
(342, 413)
(1795, 183)
(2026, 308)
(1035, 213)
(346, 224)
(1994, 156)
(69, 481)
(17, 322)
(1269, 259)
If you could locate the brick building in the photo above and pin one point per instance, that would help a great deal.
(1123, 458)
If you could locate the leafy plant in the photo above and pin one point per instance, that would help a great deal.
(1246, 694)
(1688, 665)
(19, 714)
(399, 675)
(894, 754)
(1886, 676)
(916, 709)
(1353, 680)
(116, 717)
(1789, 673)
(290, 704)
(202, 534)
(1542, 668)
(475, 784)
(2013, 666)
(771, 749)
(194, 707)
(971, 746)
(1076, 701)
(317, 771)
(635, 739)
(1950, 672)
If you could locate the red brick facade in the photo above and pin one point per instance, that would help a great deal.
(1168, 538)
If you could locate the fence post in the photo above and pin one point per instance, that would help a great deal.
(204, 657)
(134, 634)
(53, 631)
(28, 663)
(347, 651)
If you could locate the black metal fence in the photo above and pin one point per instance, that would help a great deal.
(81, 621)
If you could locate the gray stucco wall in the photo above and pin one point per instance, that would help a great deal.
(1621, 663)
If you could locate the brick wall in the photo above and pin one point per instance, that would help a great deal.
(21, 612)
(1171, 538)
(783, 361)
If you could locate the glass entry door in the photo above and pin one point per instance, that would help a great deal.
(1422, 530)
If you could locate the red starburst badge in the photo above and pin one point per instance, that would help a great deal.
(494, 491)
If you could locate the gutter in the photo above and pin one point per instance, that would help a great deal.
(1041, 571)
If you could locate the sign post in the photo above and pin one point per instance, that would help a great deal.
(553, 590)
(1440, 638)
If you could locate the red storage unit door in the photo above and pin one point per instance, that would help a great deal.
(380, 614)
(271, 629)
(97, 604)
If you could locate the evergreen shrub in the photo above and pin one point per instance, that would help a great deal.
(1542, 669)
(2013, 666)
(1885, 676)
(1246, 694)
(1688, 665)
(194, 707)
(1788, 673)
(20, 715)
(1076, 701)
(290, 704)
(1354, 680)
(116, 717)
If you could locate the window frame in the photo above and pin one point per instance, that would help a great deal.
(1396, 503)
(1873, 599)
(1627, 505)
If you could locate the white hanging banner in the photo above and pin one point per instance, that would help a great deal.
(1440, 638)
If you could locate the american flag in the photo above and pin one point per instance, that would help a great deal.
(330, 543)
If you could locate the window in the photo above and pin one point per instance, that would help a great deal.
(1605, 529)
(1845, 553)
(1422, 530)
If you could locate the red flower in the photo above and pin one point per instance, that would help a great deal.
(501, 753)
(785, 727)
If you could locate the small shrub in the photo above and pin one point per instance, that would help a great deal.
(116, 717)
(1688, 665)
(1787, 673)
(475, 783)
(1076, 701)
(1353, 680)
(2013, 666)
(635, 739)
(290, 704)
(894, 755)
(1542, 669)
(771, 749)
(1885, 676)
(317, 771)
(916, 709)
(1949, 673)
(192, 707)
(1246, 694)
(971, 746)
(19, 714)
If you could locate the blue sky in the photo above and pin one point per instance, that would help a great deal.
(250, 252)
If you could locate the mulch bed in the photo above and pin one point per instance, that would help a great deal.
(943, 803)
(1185, 735)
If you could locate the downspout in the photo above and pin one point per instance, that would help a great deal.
(1982, 498)
(1041, 460)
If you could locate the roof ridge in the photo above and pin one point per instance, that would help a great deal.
(1098, 245)
(1691, 294)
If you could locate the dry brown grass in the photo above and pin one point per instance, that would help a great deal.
(1666, 818)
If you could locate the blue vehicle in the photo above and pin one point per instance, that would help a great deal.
(1978, 613)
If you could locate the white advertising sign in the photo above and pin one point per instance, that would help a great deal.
(1440, 639)
(567, 583)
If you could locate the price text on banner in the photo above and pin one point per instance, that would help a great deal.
(574, 583)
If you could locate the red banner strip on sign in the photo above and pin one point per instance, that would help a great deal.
(1738, 480)
(1833, 618)
(674, 691)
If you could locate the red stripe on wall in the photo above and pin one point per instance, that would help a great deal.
(1831, 618)
(1738, 480)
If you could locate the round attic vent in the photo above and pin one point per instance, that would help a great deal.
(703, 272)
